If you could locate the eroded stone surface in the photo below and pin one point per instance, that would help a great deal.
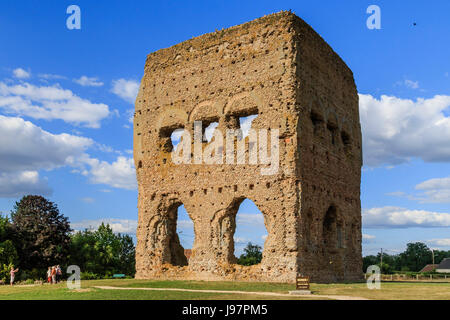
(280, 69)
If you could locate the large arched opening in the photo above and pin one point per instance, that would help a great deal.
(180, 229)
(250, 233)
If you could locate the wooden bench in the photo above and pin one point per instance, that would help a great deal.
(118, 275)
(302, 283)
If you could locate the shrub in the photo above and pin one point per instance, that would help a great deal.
(89, 276)
(4, 271)
(35, 274)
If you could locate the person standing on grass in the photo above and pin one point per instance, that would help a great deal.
(13, 274)
(49, 275)
(58, 273)
(53, 275)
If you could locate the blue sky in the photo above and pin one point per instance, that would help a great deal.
(66, 98)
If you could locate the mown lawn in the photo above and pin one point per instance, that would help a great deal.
(88, 292)
(388, 291)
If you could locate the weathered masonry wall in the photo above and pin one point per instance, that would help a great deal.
(330, 168)
(278, 68)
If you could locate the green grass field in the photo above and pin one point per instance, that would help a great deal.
(440, 291)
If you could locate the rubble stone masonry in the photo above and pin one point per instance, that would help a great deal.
(278, 68)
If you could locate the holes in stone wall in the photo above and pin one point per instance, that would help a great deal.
(340, 232)
(307, 226)
(317, 121)
(333, 230)
(353, 238)
(346, 141)
(330, 228)
(208, 131)
(170, 137)
(208, 127)
(333, 132)
(245, 123)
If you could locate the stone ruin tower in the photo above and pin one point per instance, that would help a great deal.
(278, 68)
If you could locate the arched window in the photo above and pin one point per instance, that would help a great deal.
(170, 137)
(180, 231)
(318, 122)
(250, 233)
(185, 231)
(330, 228)
(333, 230)
(308, 231)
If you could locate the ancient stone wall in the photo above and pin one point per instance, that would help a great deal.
(279, 69)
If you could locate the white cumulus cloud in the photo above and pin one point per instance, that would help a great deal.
(435, 190)
(397, 217)
(118, 174)
(21, 73)
(26, 148)
(49, 103)
(17, 184)
(440, 242)
(397, 130)
(125, 89)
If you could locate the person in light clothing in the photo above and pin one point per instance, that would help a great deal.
(13, 274)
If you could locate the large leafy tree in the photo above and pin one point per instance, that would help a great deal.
(440, 255)
(369, 261)
(103, 252)
(42, 234)
(416, 256)
(252, 255)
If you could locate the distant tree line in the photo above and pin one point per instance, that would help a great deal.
(37, 235)
(416, 256)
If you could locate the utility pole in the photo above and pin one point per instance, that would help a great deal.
(381, 263)
(432, 253)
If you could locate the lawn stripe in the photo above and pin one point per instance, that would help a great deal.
(237, 292)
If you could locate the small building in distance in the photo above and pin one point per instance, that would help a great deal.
(444, 266)
(429, 268)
